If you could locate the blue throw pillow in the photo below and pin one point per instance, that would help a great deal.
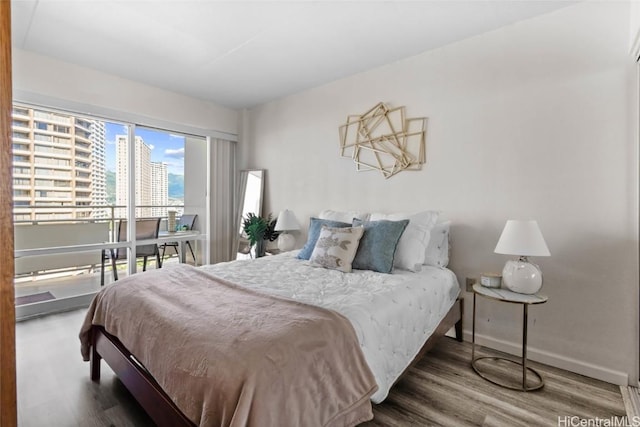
(378, 244)
(315, 226)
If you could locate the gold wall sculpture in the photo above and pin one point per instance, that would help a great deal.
(382, 139)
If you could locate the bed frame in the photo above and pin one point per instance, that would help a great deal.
(155, 401)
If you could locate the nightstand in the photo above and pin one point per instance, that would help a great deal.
(504, 295)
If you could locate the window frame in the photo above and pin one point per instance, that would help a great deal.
(132, 121)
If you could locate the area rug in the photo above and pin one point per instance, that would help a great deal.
(30, 299)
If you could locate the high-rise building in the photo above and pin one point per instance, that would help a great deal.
(52, 165)
(159, 189)
(99, 169)
(143, 181)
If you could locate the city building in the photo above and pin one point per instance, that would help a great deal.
(52, 165)
(143, 179)
(99, 169)
(159, 189)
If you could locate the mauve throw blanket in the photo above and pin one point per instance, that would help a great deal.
(229, 356)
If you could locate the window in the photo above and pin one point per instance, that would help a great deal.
(72, 170)
(160, 172)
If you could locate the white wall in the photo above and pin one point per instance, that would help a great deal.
(634, 28)
(533, 120)
(37, 77)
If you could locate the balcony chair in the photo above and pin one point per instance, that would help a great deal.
(145, 229)
(187, 221)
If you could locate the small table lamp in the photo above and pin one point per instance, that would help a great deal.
(522, 238)
(286, 222)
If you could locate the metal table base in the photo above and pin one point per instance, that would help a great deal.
(522, 362)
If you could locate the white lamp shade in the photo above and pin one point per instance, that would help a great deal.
(522, 238)
(287, 221)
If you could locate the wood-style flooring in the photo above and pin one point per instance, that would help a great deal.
(54, 388)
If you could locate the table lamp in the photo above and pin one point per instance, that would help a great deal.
(286, 222)
(522, 238)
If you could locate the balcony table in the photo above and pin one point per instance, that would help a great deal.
(182, 237)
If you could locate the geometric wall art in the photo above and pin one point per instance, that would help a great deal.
(383, 139)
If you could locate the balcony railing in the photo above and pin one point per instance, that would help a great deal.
(71, 215)
(111, 213)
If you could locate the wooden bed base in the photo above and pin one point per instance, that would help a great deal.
(138, 381)
(155, 401)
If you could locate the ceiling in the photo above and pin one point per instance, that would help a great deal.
(240, 54)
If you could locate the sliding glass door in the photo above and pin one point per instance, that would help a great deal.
(81, 181)
(61, 199)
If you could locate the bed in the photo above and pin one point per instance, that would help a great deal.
(374, 327)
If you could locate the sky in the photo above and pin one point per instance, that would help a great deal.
(165, 147)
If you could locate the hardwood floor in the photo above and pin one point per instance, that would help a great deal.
(443, 390)
(54, 388)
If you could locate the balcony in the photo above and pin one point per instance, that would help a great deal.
(61, 291)
(21, 149)
(54, 132)
(83, 126)
(20, 113)
(53, 273)
(85, 148)
(51, 117)
(50, 141)
(20, 126)
(85, 167)
(83, 136)
(21, 162)
(52, 150)
(22, 139)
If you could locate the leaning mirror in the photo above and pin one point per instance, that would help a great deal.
(250, 190)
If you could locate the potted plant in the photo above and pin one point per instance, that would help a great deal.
(259, 230)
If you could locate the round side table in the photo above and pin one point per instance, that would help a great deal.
(504, 295)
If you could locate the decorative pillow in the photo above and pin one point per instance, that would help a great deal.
(437, 253)
(336, 247)
(411, 250)
(315, 226)
(378, 245)
(347, 216)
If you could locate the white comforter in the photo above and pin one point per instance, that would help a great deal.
(392, 314)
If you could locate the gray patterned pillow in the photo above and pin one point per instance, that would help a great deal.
(336, 248)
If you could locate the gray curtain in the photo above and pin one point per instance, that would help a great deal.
(224, 221)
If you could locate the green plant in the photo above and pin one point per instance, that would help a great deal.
(258, 228)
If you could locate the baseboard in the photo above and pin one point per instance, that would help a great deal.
(553, 359)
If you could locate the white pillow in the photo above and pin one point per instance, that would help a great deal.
(438, 249)
(343, 216)
(411, 250)
(336, 248)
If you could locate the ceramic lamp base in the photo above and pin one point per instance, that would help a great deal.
(521, 276)
(286, 242)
